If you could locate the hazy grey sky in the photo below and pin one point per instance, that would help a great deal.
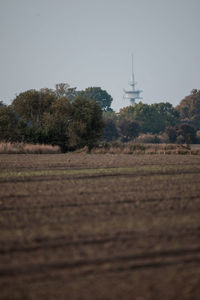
(89, 43)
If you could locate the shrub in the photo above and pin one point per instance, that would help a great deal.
(148, 138)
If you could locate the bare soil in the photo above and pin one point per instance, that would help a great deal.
(89, 226)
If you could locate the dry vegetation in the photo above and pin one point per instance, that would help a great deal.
(18, 148)
(143, 148)
(93, 226)
(109, 148)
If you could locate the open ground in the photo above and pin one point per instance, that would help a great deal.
(99, 226)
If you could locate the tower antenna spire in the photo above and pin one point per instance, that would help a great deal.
(132, 94)
(132, 62)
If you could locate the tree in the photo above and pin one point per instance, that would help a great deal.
(56, 124)
(189, 109)
(110, 114)
(87, 122)
(127, 112)
(171, 133)
(73, 125)
(61, 89)
(64, 90)
(110, 131)
(129, 130)
(152, 118)
(181, 132)
(99, 95)
(165, 115)
(188, 133)
(31, 105)
(8, 124)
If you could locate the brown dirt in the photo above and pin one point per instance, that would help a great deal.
(133, 233)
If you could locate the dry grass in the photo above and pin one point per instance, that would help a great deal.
(141, 148)
(105, 148)
(21, 148)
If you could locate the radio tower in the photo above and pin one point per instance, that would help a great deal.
(132, 94)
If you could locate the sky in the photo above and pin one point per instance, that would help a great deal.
(89, 43)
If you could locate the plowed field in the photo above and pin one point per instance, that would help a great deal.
(80, 226)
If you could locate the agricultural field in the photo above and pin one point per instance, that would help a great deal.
(99, 226)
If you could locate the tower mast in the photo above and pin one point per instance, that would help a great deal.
(132, 94)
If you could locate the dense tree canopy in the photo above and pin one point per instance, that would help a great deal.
(31, 105)
(46, 117)
(64, 90)
(185, 133)
(110, 131)
(73, 125)
(74, 119)
(56, 123)
(129, 130)
(152, 118)
(99, 95)
(88, 121)
(189, 109)
(8, 123)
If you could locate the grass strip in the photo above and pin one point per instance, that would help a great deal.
(74, 172)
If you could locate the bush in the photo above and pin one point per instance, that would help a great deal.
(180, 139)
(148, 138)
(198, 136)
(129, 130)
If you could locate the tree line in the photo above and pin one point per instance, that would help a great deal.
(49, 117)
(180, 124)
(73, 119)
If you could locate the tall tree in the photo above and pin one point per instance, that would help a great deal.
(110, 131)
(189, 109)
(31, 105)
(56, 123)
(127, 112)
(64, 90)
(129, 130)
(99, 95)
(73, 125)
(152, 118)
(87, 122)
(8, 124)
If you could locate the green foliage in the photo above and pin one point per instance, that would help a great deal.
(44, 117)
(127, 112)
(8, 124)
(73, 126)
(152, 118)
(60, 117)
(56, 123)
(181, 133)
(110, 115)
(198, 136)
(64, 90)
(32, 104)
(188, 132)
(110, 131)
(99, 95)
(189, 109)
(87, 122)
(149, 138)
(171, 133)
(129, 130)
